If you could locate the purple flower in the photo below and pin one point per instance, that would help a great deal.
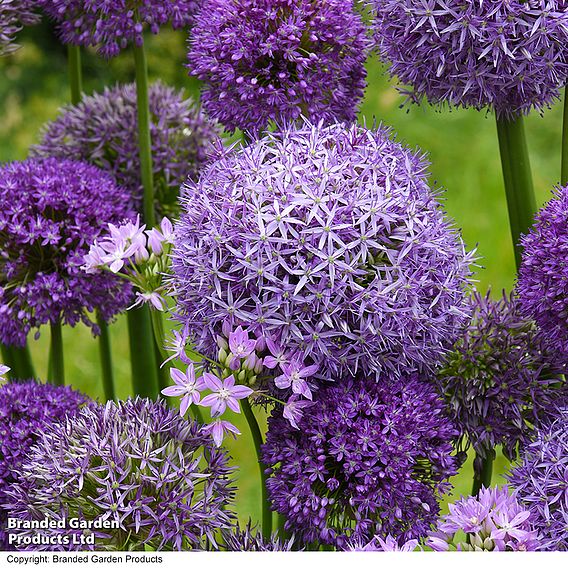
(103, 129)
(293, 375)
(248, 539)
(51, 210)
(329, 242)
(158, 237)
(4, 369)
(225, 394)
(219, 428)
(294, 410)
(240, 344)
(507, 55)
(272, 60)
(14, 14)
(369, 459)
(158, 476)
(389, 544)
(187, 385)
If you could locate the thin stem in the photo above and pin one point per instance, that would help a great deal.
(483, 479)
(19, 360)
(56, 371)
(105, 354)
(144, 139)
(257, 439)
(75, 73)
(564, 170)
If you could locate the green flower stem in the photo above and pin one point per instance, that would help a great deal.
(257, 439)
(564, 172)
(484, 479)
(105, 354)
(19, 360)
(280, 522)
(56, 370)
(75, 73)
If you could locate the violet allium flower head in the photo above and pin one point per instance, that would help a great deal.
(51, 210)
(272, 60)
(250, 539)
(112, 25)
(136, 462)
(328, 241)
(370, 458)
(499, 379)
(493, 520)
(102, 129)
(540, 481)
(14, 14)
(543, 276)
(507, 55)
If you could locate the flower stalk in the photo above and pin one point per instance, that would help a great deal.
(564, 168)
(75, 72)
(56, 367)
(105, 355)
(19, 360)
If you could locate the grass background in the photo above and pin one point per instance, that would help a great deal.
(462, 147)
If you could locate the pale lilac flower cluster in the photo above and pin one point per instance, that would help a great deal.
(4, 370)
(493, 520)
(389, 544)
(273, 60)
(103, 129)
(112, 25)
(507, 55)
(329, 241)
(14, 14)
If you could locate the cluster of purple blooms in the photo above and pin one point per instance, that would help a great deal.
(248, 539)
(14, 14)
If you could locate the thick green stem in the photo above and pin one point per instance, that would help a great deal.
(105, 355)
(257, 439)
(484, 477)
(56, 370)
(75, 73)
(20, 362)
(517, 177)
(564, 170)
(144, 139)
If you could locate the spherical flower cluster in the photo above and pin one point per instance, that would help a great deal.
(499, 380)
(493, 520)
(264, 60)
(540, 482)
(543, 276)
(51, 210)
(102, 129)
(26, 410)
(330, 242)
(112, 25)
(507, 55)
(369, 459)
(14, 14)
(248, 539)
(136, 463)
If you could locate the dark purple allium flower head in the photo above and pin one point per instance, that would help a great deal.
(543, 277)
(264, 60)
(328, 241)
(508, 55)
(137, 463)
(541, 481)
(26, 410)
(250, 539)
(102, 129)
(51, 210)
(370, 458)
(499, 380)
(112, 25)
(14, 14)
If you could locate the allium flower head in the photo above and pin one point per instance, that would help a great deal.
(541, 481)
(264, 60)
(14, 14)
(499, 380)
(135, 462)
(102, 129)
(370, 458)
(508, 55)
(543, 276)
(50, 212)
(112, 25)
(389, 544)
(249, 539)
(328, 242)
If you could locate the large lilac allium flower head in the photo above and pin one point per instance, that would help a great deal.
(51, 210)
(329, 242)
(507, 55)
(272, 60)
(369, 459)
(543, 276)
(14, 14)
(499, 379)
(137, 463)
(102, 129)
(541, 480)
(112, 25)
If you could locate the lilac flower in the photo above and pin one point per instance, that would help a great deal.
(369, 459)
(240, 344)
(329, 242)
(293, 376)
(14, 14)
(51, 210)
(506, 55)
(177, 346)
(187, 385)
(293, 410)
(157, 237)
(541, 478)
(136, 462)
(103, 129)
(389, 544)
(248, 539)
(225, 394)
(219, 428)
(4, 370)
(272, 60)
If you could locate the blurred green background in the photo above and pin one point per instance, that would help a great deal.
(462, 147)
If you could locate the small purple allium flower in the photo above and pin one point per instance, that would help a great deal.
(541, 481)
(239, 343)
(187, 386)
(272, 60)
(389, 544)
(492, 520)
(103, 129)
(370, 458)
(293, 376)
(14, 14)
(499, 380)
(112, 25)
(219, 428)
(250, 539)
(135, 462)
(329, 242)
(294, 410)
(225, 394)
(51, 210)
(4, 370)
(508, 55)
